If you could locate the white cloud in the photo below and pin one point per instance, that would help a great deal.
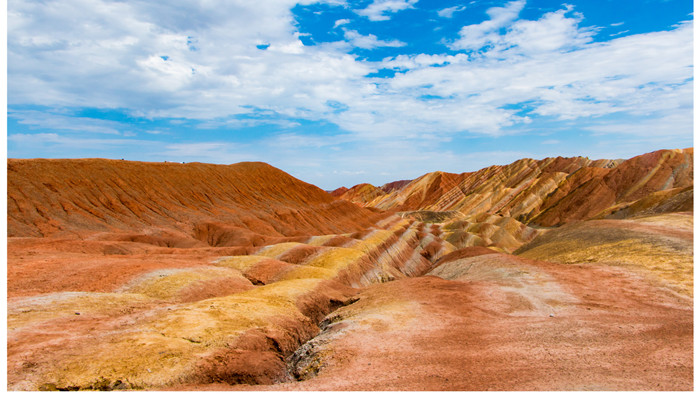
(246, 122)
(340, 22)
(200, 60)
(57, 121)
(193, 59)
(565, 76)
(659, 128)
(619, 33)
(42, 139)
(553, 32)
(378, 10)
(449, 12)
(423, 60)
(474, 37)
(56, 145)
(213, 152)
(296, 141)
(369, 41)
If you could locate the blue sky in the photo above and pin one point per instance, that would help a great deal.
(342, 92)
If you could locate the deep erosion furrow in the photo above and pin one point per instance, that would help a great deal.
(239, 336)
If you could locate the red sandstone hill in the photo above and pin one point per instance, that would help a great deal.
(97, 299)
(395, 185)
(338, 192)
(548, 192)
(219, 204)
(411, 195)
(364, 192)
(360, 193)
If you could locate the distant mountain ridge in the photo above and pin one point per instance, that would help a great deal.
(547, 192)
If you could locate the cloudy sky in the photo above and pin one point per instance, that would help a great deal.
(340, 92)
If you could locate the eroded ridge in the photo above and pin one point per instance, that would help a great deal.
(249, 279)
(548, 192)
(606, 316)
(235, 320)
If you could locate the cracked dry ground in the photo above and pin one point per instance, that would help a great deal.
(394, 307)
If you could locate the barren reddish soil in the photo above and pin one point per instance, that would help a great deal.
(477, 336)
(169, 204)
(500, 322)
(157, 276)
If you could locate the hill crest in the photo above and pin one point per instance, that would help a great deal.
(546, 192)
(80, 196)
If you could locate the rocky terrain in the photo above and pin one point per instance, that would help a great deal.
(547, 192)
(555, 274)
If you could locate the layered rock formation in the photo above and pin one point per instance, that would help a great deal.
(232, 320)
(659, 247)
(365, 193)
(547, 192)
(489, 321)
(502, 207)
(125, 275)
(395, 185)
(361, 194)
(163, 276)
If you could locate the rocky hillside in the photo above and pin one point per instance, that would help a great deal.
(161, 276)
(176, 316)
(181, 205)
(549, 192)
